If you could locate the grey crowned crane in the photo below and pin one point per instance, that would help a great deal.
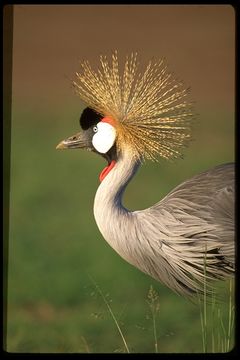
(133, 115)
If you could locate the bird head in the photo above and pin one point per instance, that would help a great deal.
(145, 113)
(98, 134)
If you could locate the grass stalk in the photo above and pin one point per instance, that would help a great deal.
(203, 313)
(85, 344)
(155, 332)
(112, 314)
(154, 307)
(213, 303)
(231, 315)
(202, 326)
(221, 333)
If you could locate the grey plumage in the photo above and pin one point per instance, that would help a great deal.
(189, 230)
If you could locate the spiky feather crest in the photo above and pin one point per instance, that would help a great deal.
(149, 108)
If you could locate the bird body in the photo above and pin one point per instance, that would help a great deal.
(167, 239)
(187, 237)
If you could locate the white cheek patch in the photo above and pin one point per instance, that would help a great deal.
(104, 138)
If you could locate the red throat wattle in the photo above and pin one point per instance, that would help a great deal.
(106, 170)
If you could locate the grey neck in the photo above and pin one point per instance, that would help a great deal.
(112, 188)
(110, 215)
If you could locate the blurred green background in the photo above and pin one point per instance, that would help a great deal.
(55, 248)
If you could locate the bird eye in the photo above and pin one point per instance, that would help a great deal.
(104, 138)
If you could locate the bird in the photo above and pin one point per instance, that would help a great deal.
(135, 113)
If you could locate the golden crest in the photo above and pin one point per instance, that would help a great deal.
(150, 108)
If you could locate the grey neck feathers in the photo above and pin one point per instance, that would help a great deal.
(112, 188)
(111, 216)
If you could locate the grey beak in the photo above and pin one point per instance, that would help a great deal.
(78, 141)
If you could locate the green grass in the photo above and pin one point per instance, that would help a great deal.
(217, 314)
(54, 244)
(218, 320)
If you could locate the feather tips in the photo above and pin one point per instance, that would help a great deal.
(152, 114)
